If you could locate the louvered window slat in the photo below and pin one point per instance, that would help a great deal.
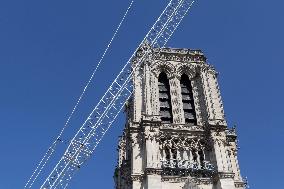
(187, 100)
(187, 106)
(165, 96)
(164, 104)
(186, 97)
(165, 99)
(189, 115)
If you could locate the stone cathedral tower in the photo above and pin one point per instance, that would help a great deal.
(176, 135)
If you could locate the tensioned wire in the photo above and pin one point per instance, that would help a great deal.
(120, 90)
(51, 149)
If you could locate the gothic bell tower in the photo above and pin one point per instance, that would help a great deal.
(176, 135)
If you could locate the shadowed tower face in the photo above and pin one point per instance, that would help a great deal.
(176, 135)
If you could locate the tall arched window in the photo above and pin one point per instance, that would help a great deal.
(165, 99)
(187, 100)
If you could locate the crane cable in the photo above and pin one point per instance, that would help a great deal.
(51, 149)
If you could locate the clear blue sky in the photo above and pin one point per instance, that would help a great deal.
(49, 48)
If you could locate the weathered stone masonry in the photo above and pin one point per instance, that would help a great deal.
(176, 135)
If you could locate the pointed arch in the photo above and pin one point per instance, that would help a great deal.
(187, 100)
(165, 99)
(162, 66)
(188, 69)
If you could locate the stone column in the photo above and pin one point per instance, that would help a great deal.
(185, 155)
(226, 177)
(176, 101)
(153, 179)
(215, 95)
(136, 159)
(235, 163)
(207, 93)
(212, 96)
(153, 172)
(154, 94)
(190, 156)
(147, 105)
(137, 95)
(152, 147)
(137, 181)
(153, 156)
(219, 149)
(199, 100)
(198, 158)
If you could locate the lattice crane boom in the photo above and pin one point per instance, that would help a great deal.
(105, 112)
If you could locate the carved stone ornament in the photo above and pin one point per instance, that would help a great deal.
(224, 175)
(179, 55)
(199, 181)
(220, 141)
(181, 142)
(137, 178)
(218, 123)
(208, 68)
(182, 127)
(137, 138)
(174, 132)
(153, 171)
(240, 184)
(176, 179)
(189, 69)
(163, 66)
(152, 136)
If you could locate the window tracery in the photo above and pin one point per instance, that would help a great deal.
(181, 155)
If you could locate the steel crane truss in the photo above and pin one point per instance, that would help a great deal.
(58, 140)
(103, 115)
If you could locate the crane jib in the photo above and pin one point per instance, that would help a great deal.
(105, 112)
